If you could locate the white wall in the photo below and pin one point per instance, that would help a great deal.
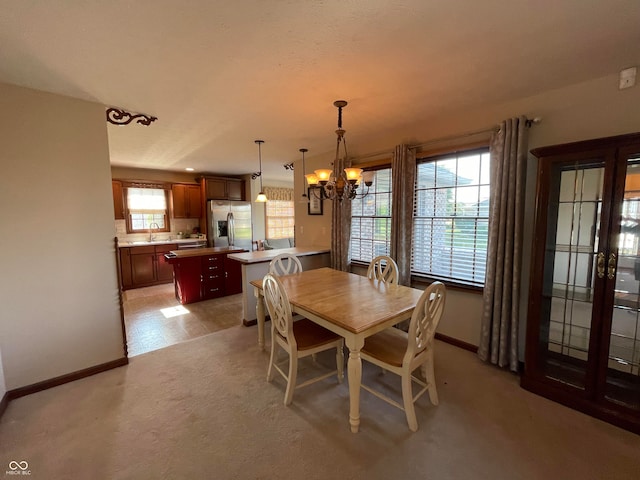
(58, 287)
(587, 110)
(3, 385)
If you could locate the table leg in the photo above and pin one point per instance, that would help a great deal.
(354, 371)
(260, 319)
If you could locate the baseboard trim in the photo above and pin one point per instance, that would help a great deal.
(456, 342)
(62, 379)
(4, 403)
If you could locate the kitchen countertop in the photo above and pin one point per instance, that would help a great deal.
(263, 256)
(199, 252)
(142, 243)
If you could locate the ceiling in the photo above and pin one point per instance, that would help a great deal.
(220, 74)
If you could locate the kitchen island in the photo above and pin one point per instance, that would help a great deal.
(255, 265)
(205, 273)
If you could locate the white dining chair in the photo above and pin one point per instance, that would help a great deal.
(285, 264)
(403, 352)
(299, 339)
(383, 268)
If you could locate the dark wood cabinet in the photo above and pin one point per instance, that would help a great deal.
(145, 265)
(186, 200)
(205, 274)
(219, 188)
(583, 323)
(164, 270)
(118, 200)
(213, 276)
(216, 188)
(235, 190)
(233, 272)
(188, 281)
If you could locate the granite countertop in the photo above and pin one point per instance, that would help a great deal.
(199, 252)
(142, 243)
(267, 255)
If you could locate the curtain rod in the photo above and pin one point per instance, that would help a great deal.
(528, 122)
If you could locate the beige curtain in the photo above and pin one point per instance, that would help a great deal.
(501, 302)
(278, 193)
(340, 227)
(403, 177)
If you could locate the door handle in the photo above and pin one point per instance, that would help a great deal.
(600, 265)
(611, 268)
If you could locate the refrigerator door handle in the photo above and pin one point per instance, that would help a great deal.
(230, 229)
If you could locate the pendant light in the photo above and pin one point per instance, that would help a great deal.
(261, 198)
(305, 198)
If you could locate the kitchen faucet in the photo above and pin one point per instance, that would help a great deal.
(151, 230)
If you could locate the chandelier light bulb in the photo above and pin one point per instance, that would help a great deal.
(324, 175)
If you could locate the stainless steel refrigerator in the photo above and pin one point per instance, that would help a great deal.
(230, 224)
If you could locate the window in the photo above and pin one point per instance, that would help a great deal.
(280, 218)
(371, 220)
(451, 217)
(146, 208)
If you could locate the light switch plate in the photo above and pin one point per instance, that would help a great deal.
(627, 77)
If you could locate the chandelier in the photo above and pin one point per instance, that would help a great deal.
(343, 185)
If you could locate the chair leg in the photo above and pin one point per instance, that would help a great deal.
(272, 360)
(291, 381)
(340, 361)
(427, 371)
(407, 398)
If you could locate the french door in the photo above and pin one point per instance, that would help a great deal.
(583, 326)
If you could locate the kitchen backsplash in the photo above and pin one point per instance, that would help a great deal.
(184, 225)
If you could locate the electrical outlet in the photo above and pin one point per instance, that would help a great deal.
(627, 78)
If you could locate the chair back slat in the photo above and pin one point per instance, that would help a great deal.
(285, 264)
(425, 319)
(383, 268)
(279, 308)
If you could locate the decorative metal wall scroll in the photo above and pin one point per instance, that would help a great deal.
(118, 116)
(288, 166)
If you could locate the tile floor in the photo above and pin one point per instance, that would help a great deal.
(154, 319)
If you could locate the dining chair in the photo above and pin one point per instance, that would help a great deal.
(403, 352)
(285, 264)
(383, 268)
(299, 339)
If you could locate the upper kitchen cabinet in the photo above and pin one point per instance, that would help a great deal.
(187, 202)
(219, 188)
(118, 200)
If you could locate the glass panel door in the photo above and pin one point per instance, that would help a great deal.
(573, 226)
(623, 363)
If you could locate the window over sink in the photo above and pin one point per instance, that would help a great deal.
(147, 207)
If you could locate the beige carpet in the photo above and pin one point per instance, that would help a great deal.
(202, 409)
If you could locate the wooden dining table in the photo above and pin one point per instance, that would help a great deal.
(350, 305)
